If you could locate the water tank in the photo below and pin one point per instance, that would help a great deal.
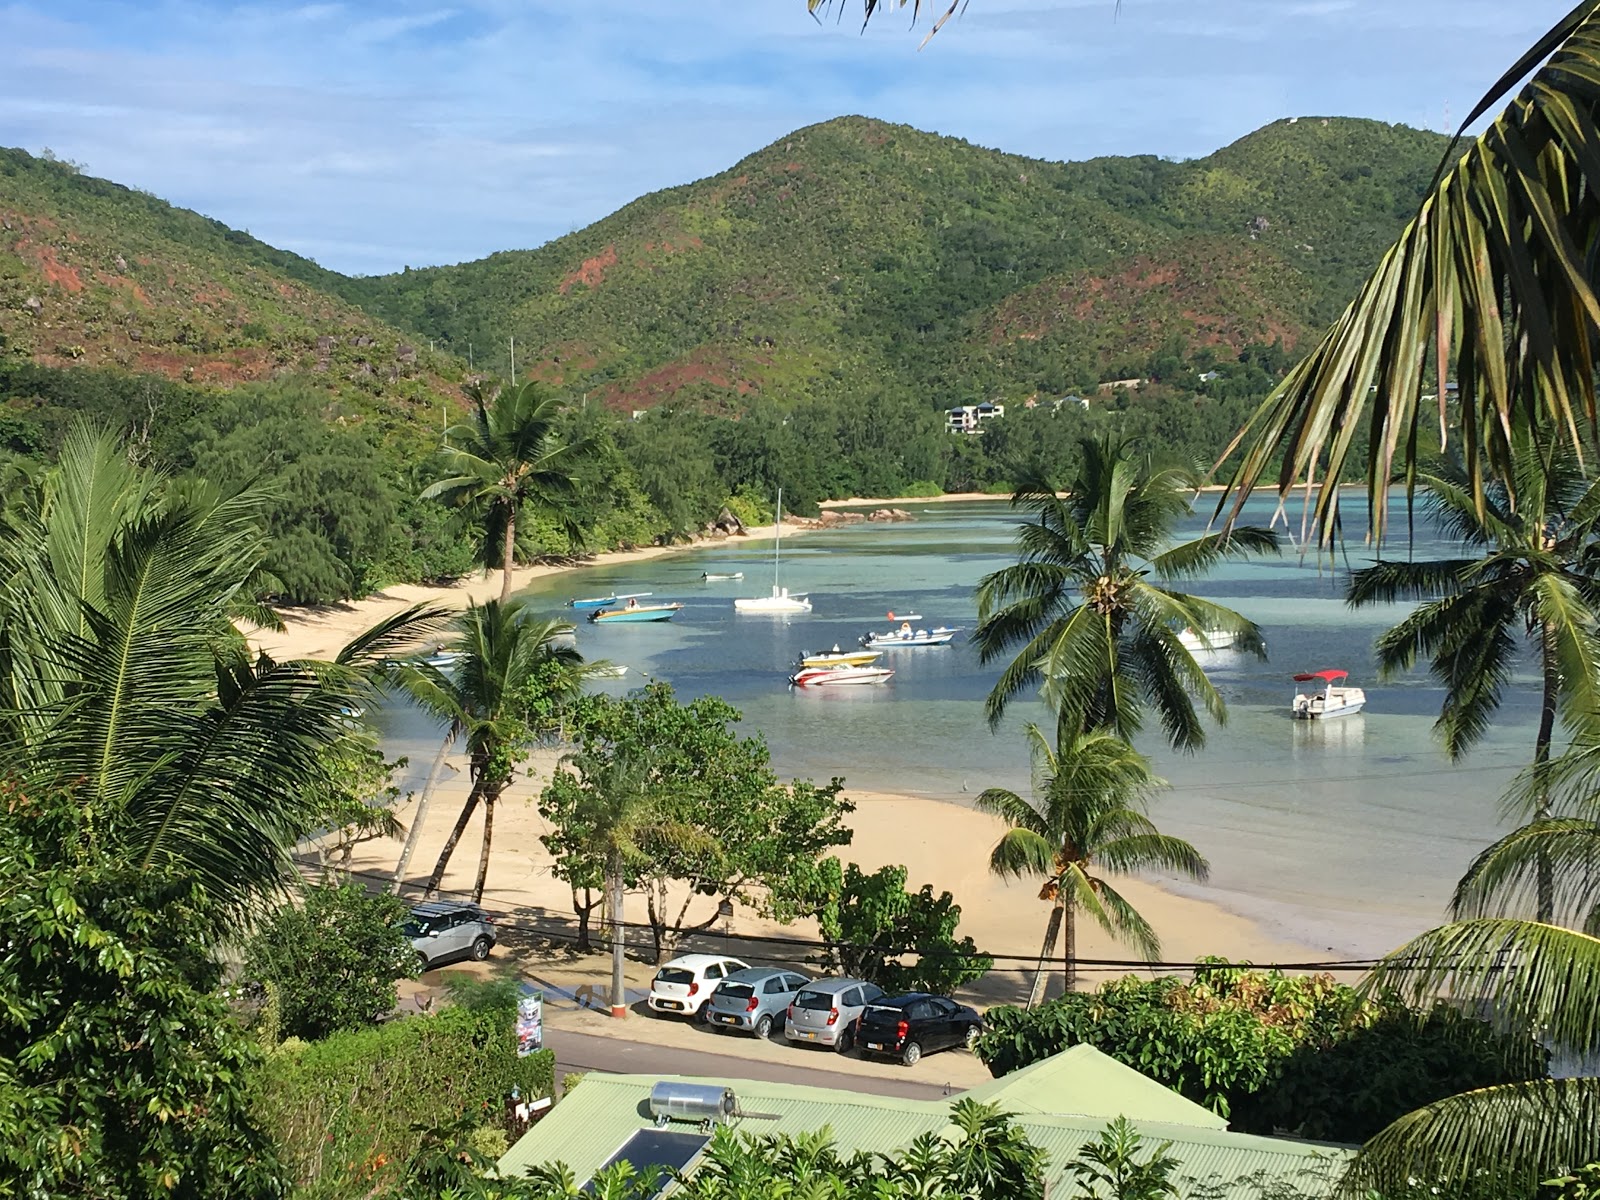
(678, 1100)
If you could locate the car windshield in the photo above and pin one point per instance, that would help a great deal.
(813, 1000)
(415, 927)
(739, 991)
(674, 975)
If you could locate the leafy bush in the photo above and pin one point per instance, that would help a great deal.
(923, 488)
(1273, 1052)
(333, 961)
(347, 1111)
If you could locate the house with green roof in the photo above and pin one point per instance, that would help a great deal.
(1063, 1103)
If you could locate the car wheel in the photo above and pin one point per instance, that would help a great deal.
(912, 1054)
(422, 961)
(701, 1014)
(480, 948)
(846, 1040)
(764, 1028)
(973, 1033)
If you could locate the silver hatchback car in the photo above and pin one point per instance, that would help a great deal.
(754, 1000)
(825, 1012)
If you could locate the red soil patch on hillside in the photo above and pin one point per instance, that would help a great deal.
(242, 364)
(703, 366)
(123, 283)
(50, 265)
(556, 361)
(591, 272)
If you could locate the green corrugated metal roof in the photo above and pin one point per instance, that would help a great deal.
(1086, 1082)
(602, 1112)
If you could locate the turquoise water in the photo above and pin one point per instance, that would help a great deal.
(1348, 835)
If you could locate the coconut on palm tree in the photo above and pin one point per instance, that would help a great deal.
(1086, 820)
(507, 460)
(1085, 611)
(484, 697)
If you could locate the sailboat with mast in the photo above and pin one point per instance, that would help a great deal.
(781, 601)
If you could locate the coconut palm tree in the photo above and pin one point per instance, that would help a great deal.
(508, 458)
(1086, 819)
(484, 697)
(1084, 603)
(1535, 578)
(124, 683)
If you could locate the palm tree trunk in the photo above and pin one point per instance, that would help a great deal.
(508, 552)
(1545, 877)
(467, 809)
(1070, 958)
(421, 814)
(619, 995)
(490, 795)
(1046, 953)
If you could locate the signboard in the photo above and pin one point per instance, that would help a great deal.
(530, 1021)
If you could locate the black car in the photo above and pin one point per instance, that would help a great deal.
(907, 1027)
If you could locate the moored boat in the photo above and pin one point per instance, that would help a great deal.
(711, 577)
(442, 659)
(594, 602)
(608, 671)
(840, 676)
(780, 601)
(632, 612)
(840, 658)
(1331, 699)
(906, 637)
(1207, 639)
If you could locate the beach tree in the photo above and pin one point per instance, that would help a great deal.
(483, 697)
(1532, 579)
(1084, 612)
(509, 459)
(1086, 820)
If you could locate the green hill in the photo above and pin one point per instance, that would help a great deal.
(856, 256)
(94, 274)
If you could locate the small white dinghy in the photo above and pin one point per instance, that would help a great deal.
(1200, 640)
(1331, 699)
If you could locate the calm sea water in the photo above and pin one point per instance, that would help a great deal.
(1349, 834)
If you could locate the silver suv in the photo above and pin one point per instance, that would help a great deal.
(825, 1012)
(445, 930)
(753, 1000)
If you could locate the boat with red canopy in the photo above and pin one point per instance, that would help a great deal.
(1328, 696)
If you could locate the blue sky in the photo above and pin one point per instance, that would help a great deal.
(375, 135)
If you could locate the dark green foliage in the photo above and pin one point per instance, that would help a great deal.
(333, 960)
(1272, 1052)
(1109, 1166)
(122, 1073)
(877, 930)
(351, 1109)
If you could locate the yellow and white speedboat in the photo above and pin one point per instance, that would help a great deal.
(840, 658)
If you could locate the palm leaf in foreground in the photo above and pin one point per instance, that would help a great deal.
(1493, 274)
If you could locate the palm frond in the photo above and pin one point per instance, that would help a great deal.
(1192, 559)
(1153, 851)
(1391, 580)
(1124, 922)
(1503, 879)
(1022, 852)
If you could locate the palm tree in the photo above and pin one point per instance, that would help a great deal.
(1536, 577)
(509, 456)
(1082, 602)
(484, 697)
(124, 684)
(1087, 817)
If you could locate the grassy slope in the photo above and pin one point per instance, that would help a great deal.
(855, 254)
(95, 274)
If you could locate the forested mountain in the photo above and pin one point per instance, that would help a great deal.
(855, 256)
(94, 274)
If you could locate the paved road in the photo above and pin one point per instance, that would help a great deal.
(586, 1052)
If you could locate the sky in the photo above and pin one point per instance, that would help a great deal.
(376, 135)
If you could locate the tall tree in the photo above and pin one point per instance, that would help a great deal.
(1535, 577)
(507, 458)
(1082, 602)
(1087, 818)
(484, 697)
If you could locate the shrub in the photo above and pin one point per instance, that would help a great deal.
(1273, 1052)
(923, 488)
(346, 1111)
(334, 960)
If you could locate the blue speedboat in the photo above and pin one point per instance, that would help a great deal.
(604, 601)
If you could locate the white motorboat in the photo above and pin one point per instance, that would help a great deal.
(906, 637)
(712, 577)
(442, 659)
(1194, 640)
(781, 601)
(608, 671)
(839, 676)
(1331, 699)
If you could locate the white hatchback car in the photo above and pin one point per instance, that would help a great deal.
(683, 986)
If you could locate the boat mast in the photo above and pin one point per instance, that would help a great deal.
(777, 542)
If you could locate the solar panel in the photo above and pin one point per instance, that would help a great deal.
(667, 1149)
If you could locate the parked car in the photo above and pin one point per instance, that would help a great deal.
(907, 1027)
(825, 1012)
(754, 1000)
(683, 986)
(445, 930)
